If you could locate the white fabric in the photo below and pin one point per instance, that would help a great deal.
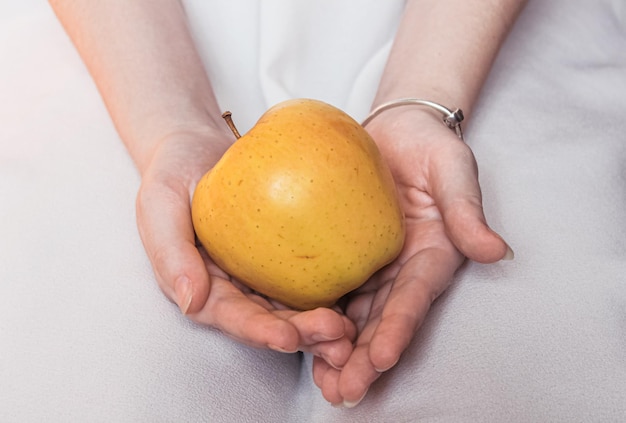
(257, 56)
(86, 336)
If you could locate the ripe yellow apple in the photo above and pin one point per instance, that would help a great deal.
(302, 208)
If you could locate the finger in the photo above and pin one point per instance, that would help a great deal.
(395, 315)
(250, 322)
(350, 328)
(327, 379)
(356, 377)
(360, 306)
(336, 353)
(164, 221)
(455, 188)
(421, 280)
(318, 325)
(320, 367)
(359, 372)
(324, 333)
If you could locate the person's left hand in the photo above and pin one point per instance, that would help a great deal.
(437, 180)
(210, 296)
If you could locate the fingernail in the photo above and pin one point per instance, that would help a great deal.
(352, 404)
(184, 293)
(279, 349)
(510, 255)
(320, 337)
(333, 365)
(384, 370)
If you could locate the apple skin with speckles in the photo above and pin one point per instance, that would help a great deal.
(302, 208)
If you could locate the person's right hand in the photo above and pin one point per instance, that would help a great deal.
(437, 179)
(188, 276)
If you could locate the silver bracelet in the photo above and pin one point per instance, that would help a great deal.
(452, 119)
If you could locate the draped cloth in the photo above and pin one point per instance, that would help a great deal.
(86, 335)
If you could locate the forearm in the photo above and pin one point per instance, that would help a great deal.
(144, 63)
(444, 50)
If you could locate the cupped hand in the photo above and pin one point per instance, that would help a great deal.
(203, 291)
(437, 180)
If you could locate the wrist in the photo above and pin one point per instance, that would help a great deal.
(188, 150)
(143, 149)
(451, 118)
(451, 94)
(405, 129)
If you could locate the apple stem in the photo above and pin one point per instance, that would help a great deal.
(229, 121)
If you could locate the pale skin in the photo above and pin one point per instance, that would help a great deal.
(142, 58)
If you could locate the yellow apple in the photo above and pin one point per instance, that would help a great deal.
(302, 208)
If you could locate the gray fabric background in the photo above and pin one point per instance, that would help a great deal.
(86, 336)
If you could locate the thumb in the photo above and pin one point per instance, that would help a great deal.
(457, 193)
(467, 228)
(164, 222)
